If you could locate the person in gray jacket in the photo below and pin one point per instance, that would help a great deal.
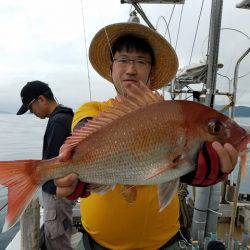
(39, 99)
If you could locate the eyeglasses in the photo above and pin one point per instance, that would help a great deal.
(29, 105)
(138, 63)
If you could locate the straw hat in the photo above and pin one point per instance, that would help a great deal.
(166, 61)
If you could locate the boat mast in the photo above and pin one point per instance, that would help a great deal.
(208, 198)
(214, 41)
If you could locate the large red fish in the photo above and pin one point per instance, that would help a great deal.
(140, 140)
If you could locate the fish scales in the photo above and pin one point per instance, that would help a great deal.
(140, 140)
(132, 147)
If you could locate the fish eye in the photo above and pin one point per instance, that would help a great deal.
(215, 127)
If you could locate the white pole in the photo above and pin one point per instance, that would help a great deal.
(203, 194)
(30, 226)
(213, 208)
(200, 211)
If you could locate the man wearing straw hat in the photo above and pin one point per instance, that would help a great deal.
(127, 53)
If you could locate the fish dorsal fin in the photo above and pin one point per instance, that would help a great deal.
(136, 97)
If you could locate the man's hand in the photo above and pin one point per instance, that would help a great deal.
(71, 187)
(65, 153)
(66, 185)
(214, 163)
(228, 156)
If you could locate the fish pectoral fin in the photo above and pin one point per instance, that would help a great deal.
(129, 193)
(166, 192)
(99, 188)
(161, 170)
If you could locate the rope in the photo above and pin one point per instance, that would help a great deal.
(4, 206)
(167, 29)
(185, 219)
(196, 32)
(112, 56)
(215, 211)
(179, 26)
(86, 51)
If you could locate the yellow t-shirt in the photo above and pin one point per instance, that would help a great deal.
(116, 224)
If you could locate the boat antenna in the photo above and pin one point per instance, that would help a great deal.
(86, 51)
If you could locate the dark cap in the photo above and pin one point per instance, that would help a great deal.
(31, 91)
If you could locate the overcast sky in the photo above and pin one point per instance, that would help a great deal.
(44, 40)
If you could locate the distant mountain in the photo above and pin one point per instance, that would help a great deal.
(4, 112)
(240, 111)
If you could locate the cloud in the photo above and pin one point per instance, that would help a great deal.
(45, 40)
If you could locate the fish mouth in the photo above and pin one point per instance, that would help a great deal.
(237, 136)
(242, 145)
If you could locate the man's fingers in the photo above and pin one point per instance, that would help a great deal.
(66, 185)
(68, 180)
(233, 153)
(65, 153)
(227, 156)
(225, 161)
(65, 191)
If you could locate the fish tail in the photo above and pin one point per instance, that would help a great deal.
(22, 181)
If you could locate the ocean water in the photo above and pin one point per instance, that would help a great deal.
(21, 138)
